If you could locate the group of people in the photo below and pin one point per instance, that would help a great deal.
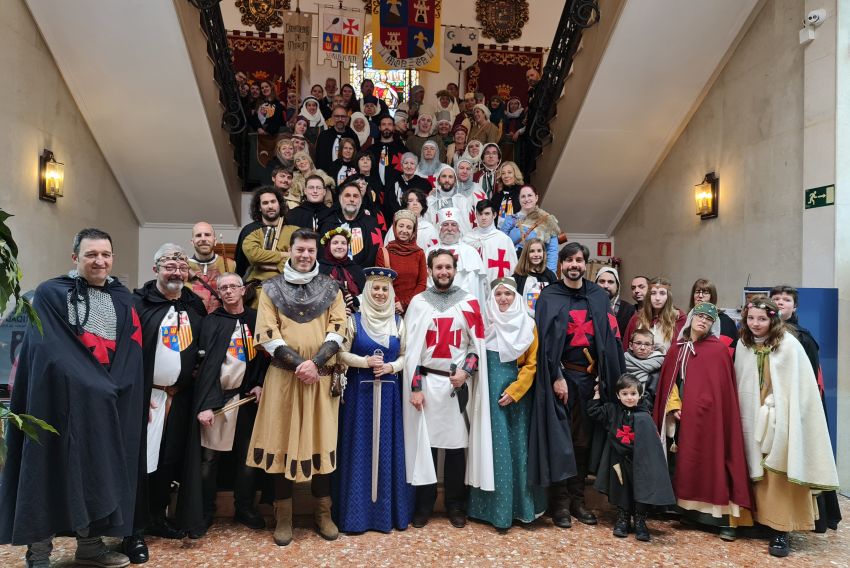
(386, 319)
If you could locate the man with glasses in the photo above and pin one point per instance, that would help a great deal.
(232, 370)
(328, 142)
(82, 376)
(170, 316)
(644, 362)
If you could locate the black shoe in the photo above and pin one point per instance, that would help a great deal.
(457, 519)
(583, 515)
(641, 530)
(621, 526)
(420, 520)
(250, 518)
(135, 548)
(779, 545)
(832, 525)
(163, 529)
(562, 519)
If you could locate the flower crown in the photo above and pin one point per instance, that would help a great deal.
(771, 310)
(326, 238)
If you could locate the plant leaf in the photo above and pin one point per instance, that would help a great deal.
(40, 423)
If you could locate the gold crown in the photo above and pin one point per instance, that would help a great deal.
(504, 90)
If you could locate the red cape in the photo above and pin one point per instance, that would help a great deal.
(711, 466)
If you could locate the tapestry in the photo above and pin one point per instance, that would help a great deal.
(406, 34)
(460, 46)
(261, 57)
(297, 28)
(341, 36)
(500, 70)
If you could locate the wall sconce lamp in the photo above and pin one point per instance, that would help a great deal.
(51, 177)
(706, 195)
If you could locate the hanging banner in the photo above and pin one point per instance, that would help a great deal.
(406, 34)
(297, 28)
(460, 46)
(340, 36)
(500, 70)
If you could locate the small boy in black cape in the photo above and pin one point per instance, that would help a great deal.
(633, 470)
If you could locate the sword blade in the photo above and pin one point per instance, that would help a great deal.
(376, 436)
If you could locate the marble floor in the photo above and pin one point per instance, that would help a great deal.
(439, 544)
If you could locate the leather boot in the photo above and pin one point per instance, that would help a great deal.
(559, 505)
(575, 487)
(621, 526)
(641, 531)
(324, 524)
(283, 518)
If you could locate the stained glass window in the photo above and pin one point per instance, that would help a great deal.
(393, 86)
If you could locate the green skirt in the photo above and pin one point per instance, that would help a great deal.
(513, 497)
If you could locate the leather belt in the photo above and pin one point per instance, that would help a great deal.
(169, 391)
(574, 367)
(324, 370)
(427, 371)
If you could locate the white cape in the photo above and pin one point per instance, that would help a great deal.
(417, 445)
(800, 446)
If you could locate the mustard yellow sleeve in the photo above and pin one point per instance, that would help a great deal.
(674, 402)
(252, 246)
(268, 321)
(527, 364)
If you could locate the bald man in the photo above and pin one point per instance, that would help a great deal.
(205, 266)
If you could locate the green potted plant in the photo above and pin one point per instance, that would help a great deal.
(10, 291)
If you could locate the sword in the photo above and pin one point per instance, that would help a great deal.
(462, 393)
(377, 384)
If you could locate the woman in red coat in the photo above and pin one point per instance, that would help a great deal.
(405, 257)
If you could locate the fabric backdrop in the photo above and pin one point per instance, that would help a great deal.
(260, 56)
(500, 70)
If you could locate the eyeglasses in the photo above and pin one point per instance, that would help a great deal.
(641, 344)
(229, 287)
(704, 317)
(702, 293)
(174, 268)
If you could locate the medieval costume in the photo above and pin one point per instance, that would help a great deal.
(496, 250)
(661, 344)
(420, 136)
(441, 199)
(578, 342)
(471, 274)
(231, 368)
(511, 342)
(407, 259)
(530, 285)
(203, 275)
(372, 489)
(487, 176)
(267, 250)
(301, 317)
(430, 169)
(82, 376)
(621, 308)
(445, 331)
(633, 469)
(309, 215)
(534, 224)
(348, 275)
(829, 512)
(170, 331)
(366, 238)
(487, 132)
(328, 146)
(785, 434)
(709, 471)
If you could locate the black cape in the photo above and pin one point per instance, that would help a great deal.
(152, 307)
(325, 144)
(645, 465)
(550, 449)
(214, 340)
(371, 234)
(624, 314)
(87, 475)
(308, 215)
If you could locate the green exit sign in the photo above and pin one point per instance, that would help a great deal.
(820, 196)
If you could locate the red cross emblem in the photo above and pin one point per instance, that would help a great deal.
(626, 435)
(579, 328)
(397, 161)
(500, 263)
(443, 338)
(99, 346)
(377, 240)
(473, 319)
(137, 328)
(350, 26)
(612, 321)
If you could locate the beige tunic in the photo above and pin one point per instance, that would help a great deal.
(295, 432)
